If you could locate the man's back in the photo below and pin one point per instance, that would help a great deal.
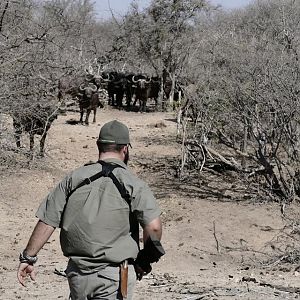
(95, 227)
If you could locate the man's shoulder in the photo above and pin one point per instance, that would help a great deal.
(122, 171)
(87, 166)
(89, 163)
(128, 176)
(86, 170)
(92, 167)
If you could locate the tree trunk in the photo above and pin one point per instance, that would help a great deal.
(171, 97)
(244, 146)
(160, 100)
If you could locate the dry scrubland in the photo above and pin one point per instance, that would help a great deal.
(216, 241)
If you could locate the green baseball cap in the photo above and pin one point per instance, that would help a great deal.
(114, 132)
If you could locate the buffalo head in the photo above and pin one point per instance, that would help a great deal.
(141, 81)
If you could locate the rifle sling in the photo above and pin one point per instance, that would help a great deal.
(107, 169)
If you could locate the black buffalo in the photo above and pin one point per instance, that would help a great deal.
(130, 88)
(37, 120)
(142, 90)
(88, 100)
(155, 86)
(116, 87)
(146, 88)
(87, 90)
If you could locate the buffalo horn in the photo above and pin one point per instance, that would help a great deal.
(134, 80)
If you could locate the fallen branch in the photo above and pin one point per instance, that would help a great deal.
(231, 163)
(198, 297)
(281, 288)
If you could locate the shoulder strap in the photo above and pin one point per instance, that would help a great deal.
(107, 168)
(106, 171)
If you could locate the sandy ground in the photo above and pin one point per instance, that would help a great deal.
(216, 244)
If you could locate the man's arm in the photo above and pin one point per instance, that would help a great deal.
(154, 228)
(152, 231)
(38, 239)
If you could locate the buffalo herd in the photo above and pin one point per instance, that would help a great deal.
(129, 87)
(122, 90)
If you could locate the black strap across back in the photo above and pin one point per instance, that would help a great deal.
(107, 171)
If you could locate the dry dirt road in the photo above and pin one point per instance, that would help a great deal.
(215, 244)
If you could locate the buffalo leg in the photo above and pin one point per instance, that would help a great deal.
(88, 111)
(95, 112)
(119, 99)
(135, 101)
(156, 104)
(81, 114)
(111, 99)
(81, 117)
(143, 105)
(128, 98)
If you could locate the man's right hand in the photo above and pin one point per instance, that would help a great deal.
(141, 272)
(24, 269)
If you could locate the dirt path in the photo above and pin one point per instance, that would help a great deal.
(213, 244)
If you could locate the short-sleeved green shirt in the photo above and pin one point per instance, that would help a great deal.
(95, 229)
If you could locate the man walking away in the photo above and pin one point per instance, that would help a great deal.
(99, 208)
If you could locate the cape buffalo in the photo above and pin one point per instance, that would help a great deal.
(36, 120)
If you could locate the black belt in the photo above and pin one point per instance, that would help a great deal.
(130, 261)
